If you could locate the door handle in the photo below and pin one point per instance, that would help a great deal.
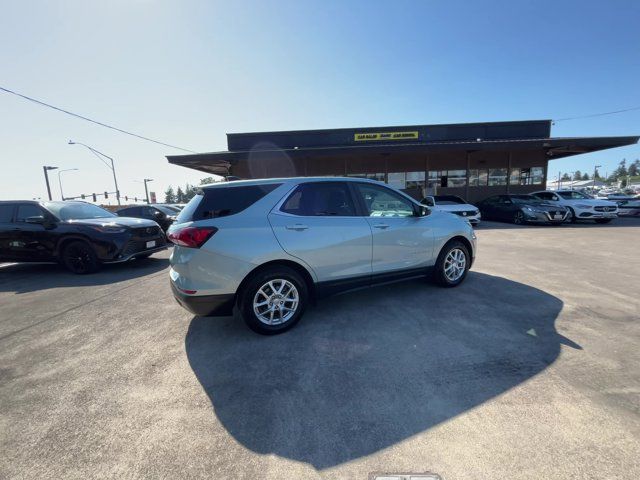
(298, 226)
(381, 225)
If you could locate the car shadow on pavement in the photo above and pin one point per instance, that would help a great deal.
(30, 277)
(365, 370)
(616, 223)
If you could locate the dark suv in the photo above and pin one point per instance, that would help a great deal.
(163, 215)
(79, 235)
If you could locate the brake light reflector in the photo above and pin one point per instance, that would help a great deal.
(193, 237)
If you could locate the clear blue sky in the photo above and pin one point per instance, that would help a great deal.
(188, 72)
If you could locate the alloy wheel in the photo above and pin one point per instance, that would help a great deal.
(454, 264)
(276, 302)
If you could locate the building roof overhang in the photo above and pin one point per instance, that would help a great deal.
(218, 163)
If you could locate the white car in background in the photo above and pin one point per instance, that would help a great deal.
(453, 204)
(580, 205)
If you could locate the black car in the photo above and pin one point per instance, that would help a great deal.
(79, 235)
(163, 215)
(521, 209)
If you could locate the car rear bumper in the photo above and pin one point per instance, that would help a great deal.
(205, 305)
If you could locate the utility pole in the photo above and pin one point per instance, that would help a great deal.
(46, 179)
(60, 180)
(146, 190)
(99, 154)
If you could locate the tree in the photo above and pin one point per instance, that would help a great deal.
(180, 196)
(596, 174)
(621, 171)
(207, 180)
(634, 168)
(577, 175)
(169, 195)
(189, 192)
(585, 176)
(565, 177)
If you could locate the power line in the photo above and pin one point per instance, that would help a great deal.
(597, 114)
(94, 121)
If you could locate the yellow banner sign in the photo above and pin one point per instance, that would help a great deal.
(366, 137)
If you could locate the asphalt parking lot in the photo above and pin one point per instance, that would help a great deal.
(531, 369)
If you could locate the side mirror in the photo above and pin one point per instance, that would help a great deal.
(422, 211)
(38, 219)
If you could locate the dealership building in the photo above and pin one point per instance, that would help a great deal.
(471, 160)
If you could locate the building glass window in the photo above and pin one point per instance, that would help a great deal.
(455, 178)
(478, 178)
(497, 176)
(398, 180)
(434, 179)
(526, 176)
(516, 176)
(537, 175)
(376, 176)
(415, 180)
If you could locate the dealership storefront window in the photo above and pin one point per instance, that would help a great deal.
(478, 178)
(526, 176)
(458, 178)
(448, 178)
(497, 176)
(372, 176)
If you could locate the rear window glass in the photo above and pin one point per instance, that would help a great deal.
(222, 202)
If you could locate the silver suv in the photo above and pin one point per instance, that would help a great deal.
(273, 246)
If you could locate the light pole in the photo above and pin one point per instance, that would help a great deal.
(146, 191)
(99, 154)
(46, 178)
(60, 179)
(593, 186)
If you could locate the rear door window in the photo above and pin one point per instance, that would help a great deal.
(28, 210)
(223, 201)
(6, 213)
(320, 199)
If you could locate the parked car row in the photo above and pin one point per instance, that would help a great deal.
(543, 207)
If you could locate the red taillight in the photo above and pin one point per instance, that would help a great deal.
(193, 237)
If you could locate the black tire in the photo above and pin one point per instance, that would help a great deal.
(518, 218)
(572, 215)
(260, 280)
(603, 220)
(440, 275)
(79, 257)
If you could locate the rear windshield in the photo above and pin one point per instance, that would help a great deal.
(222, 202)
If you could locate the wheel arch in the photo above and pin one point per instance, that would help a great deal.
(297, 267)
(64, 241)
(461, 238)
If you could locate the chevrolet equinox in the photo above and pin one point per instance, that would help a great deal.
(272, 246)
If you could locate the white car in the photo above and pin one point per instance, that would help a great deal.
(455, 205)
(580, 205)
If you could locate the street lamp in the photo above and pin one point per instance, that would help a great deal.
(46, 178)
(593, 186)
(99, 154)
(146, 191)
(60, 179)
